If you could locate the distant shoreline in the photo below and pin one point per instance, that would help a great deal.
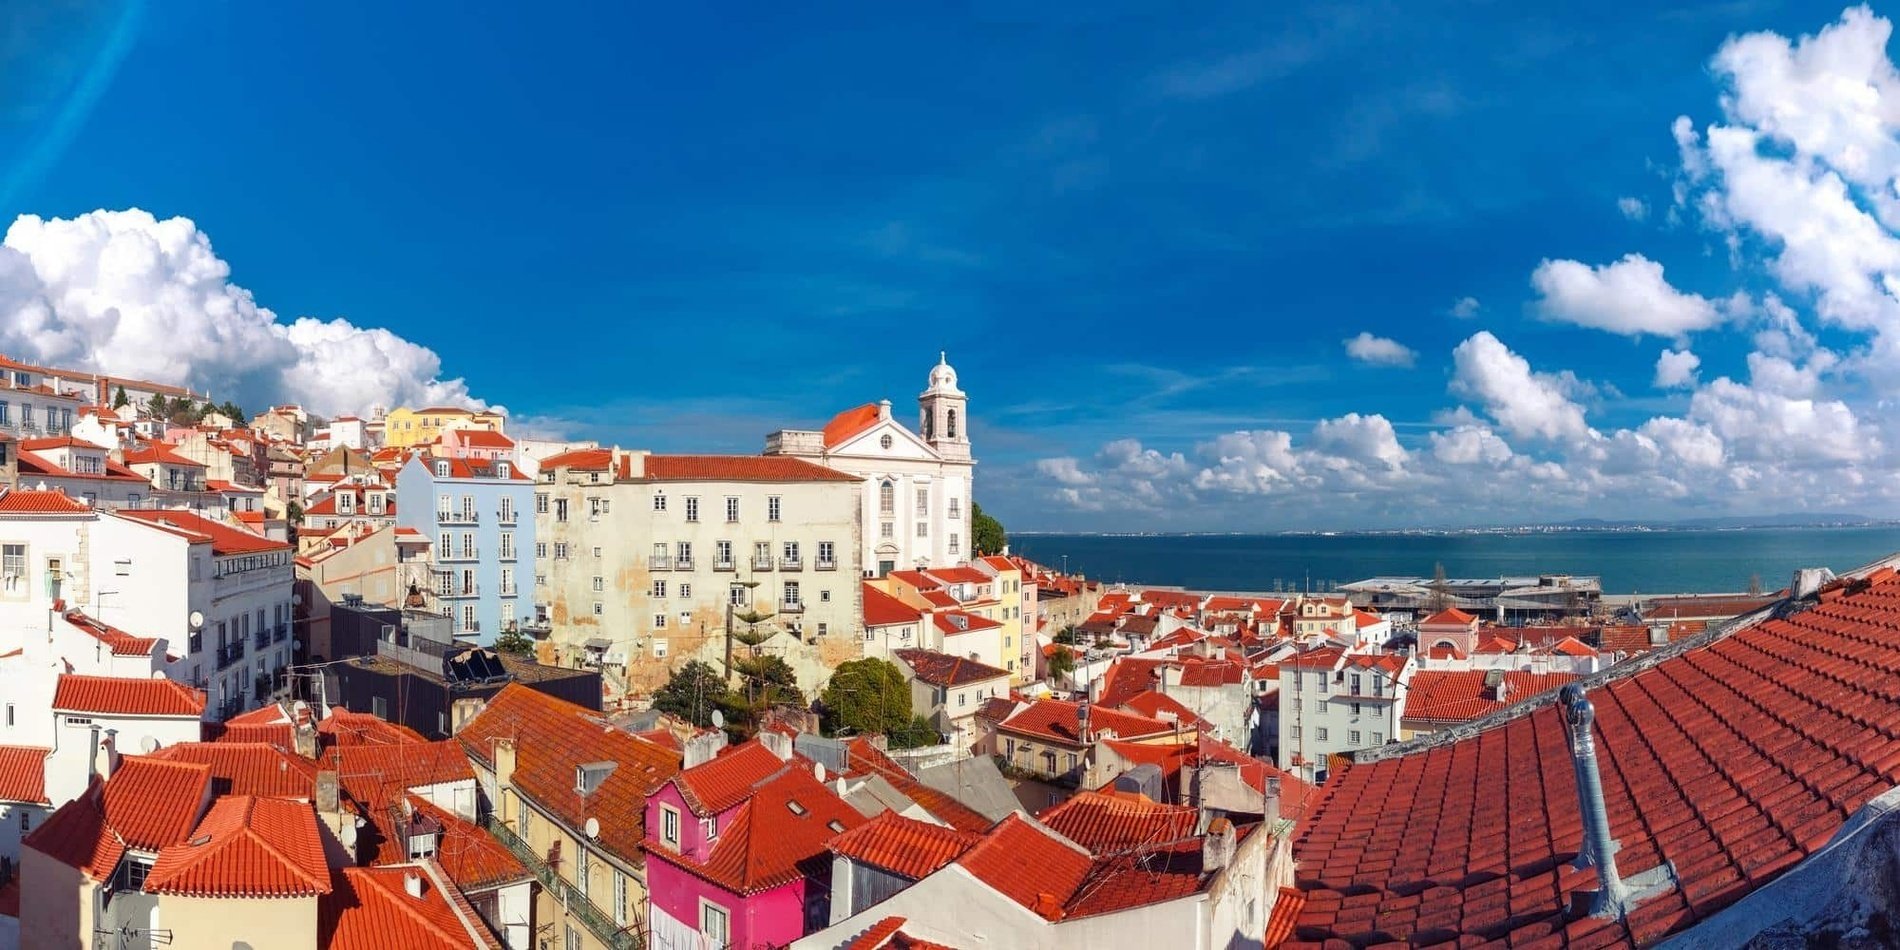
(1467, 532)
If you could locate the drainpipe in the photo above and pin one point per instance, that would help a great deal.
(1611, 898)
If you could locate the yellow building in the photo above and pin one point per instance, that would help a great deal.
(404, 427)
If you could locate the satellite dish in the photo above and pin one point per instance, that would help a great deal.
(718, 719)
(592, 828)
(149, 744)
(196, 620)
(818, 772)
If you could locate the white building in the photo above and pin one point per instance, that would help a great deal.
(916, 487)
(1334, 700)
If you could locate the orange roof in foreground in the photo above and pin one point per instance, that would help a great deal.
(370, 909)
(126, 697)
(246, 847)
(19, 501)
(23, 774)
(1105, 822)
(740, 468)
(903, 845)
(1733, 761)
(777, 836)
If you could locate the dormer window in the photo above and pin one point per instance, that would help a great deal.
(502, 471)
(442, 469)
(588, 776)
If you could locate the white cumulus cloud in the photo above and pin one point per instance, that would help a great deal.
(1464, 308)
(125, 293)
(1523, 403)
(1676, 369)
(1380, 351)
(1635, 209)
(1629, 297)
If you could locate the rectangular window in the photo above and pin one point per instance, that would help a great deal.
(659, 647)
(923, 529)
(507, 510)
(923, 502)
(659, 621)
(712, 924)
(954, 513)
(379, 706)
(541, 503)
(1352, 737)
(887, 530)
(659, 502)
(791, 594)
(620, 898)
(722, 554)
(560, 509)
(1356, 709)
(599, 608)
(732, 508)
(791, 551)
(827, 554)
(735, 595)
(507, 581)
(692, 508)
(659, 588)
(1355, 686)
(573, 939)
(581, 872)
(686, 591)
(953, 544)
(600, 583)
(468, 507)
(13, 567)
(683, 555)
(1322, 734)
(1293, 732)
(771, 508)
(1378, 738)
(560, 550)
(507, 545)
(541, 550)
(670, 825)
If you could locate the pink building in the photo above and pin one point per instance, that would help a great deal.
(739, 846)
(475, 444)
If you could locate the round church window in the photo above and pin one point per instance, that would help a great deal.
(886, 441)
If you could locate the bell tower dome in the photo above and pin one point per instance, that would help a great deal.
(943, 417)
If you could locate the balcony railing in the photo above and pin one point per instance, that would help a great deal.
(261, 639)
(659, 562)
(566, 895)
(230, 653)
(461, 591)
(682, 564)
(508, 590)
(508, 517)
(825, 564)
(791, 564)
(791, 607)
(725, 565)
(471, 555)
(456, 517)
(762, 563)
(280, 634)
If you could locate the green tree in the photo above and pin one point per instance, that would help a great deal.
(516, 642)
(986, 533)
(871, 697)
(765, 683)
(1066, 634)
(232, 409)
(293, 512)
(159, 407)
(121, 400)
(692, 693)
(1061, 662)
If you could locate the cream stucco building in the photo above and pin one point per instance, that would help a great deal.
(916, 486)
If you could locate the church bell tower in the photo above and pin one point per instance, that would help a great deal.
(943, 417)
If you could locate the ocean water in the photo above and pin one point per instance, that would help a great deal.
(1628, 561)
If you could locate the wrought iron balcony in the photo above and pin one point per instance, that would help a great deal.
(566, 895)
(791, 564)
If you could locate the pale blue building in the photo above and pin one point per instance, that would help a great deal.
(477, 513)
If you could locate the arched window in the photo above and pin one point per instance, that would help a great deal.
(887, 498)
(929, 419)
(951, 426)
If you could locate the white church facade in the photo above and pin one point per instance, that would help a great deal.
(916, 484)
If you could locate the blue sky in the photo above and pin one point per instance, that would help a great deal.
(679, 228)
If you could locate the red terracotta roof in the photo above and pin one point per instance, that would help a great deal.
(1155, 703)
(903, 845)
(1733, 761)
(868, 759)
(370, 909)
(552, 738)
(472, 857)
(584, 459)
(777, 836)
(729, 778)
(23, 774)
(942, 669)
(1449, 616)
(345, 728)
(1105, 822)
(1126, 678)
(375, 774)
(740, 468)
(246, 847)
(959, 575)
(953, 622)
(881, 609)
(126, 697)
(938, 598)
(21, 501)
(1029, 864)
(248, 768)
(915, 579)
(850, 422)
(1706, 607)
(1459, 695)
(118, 641)
(888, 934)
(1056, 720)
(1171, 758)
(483, 439)
(1285, 913)
(225, 539)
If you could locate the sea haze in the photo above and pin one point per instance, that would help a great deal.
(1628, 561)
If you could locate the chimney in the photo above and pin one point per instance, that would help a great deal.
(778, 742)
(1217, 845)
(412, 882)
(112, 752)
(92, 757)
(304, 736)
(1808, 581)
(1610, 898)
(505, 763)
(328, 798)
(702, 747)
(1271, 815)
(1082, 721)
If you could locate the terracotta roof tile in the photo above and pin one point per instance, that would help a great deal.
(553, 737)
(942, 669)
(881, 609)
(248, 768)
(777, 835)
(850, 422)
(1733, 760)
(1449, 616)
(118, 641)
(903, 845)
(225, 539)
(23, 774)
(740, 468)
(472, 857)
(21, 501)
(953, 622)
(370, 909)
(246, 847)
(1445, 696)
(1057, 720)
(714, 786)
(1103, 822)
(1029, 864)
(126, 697)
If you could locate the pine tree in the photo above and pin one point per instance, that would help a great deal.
(121, 400)
(159, 407)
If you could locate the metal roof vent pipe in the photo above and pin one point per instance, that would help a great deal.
(1599, 849)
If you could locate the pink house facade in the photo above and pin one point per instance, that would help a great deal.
(737, 849)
